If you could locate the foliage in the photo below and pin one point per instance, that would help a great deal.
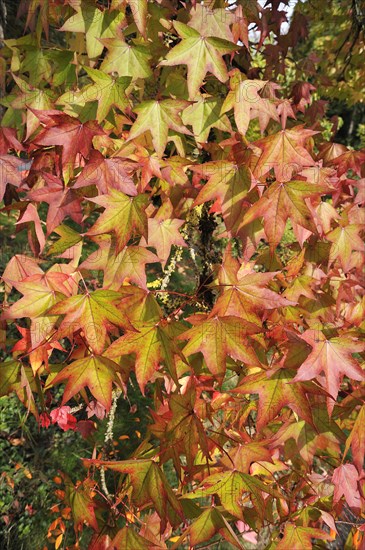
(195, 244)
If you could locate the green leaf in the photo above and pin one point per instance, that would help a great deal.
(128, 538)
(68, 238)
(95, 372)
(158, 117)
(95, 24)
(125, 216)
(126, 59)
(200, 54)
(149, 484)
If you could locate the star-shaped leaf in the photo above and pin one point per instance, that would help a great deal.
(345, 240)
(275, 392)
(216, 337)
(62, 201)
(95, 24)
(149, 484)
(228, 185)
(331, 357)
(126, 59)
(9, 140)
(95, 372)
(242, 456)
(283, 201)
(38, 297)
(123, 215)
(12, 170)
(296, 536)
(230, 487)
(82, 505)
(244, 98)
(74, 136)
(93, 313)
(158, 117)
(130, 263)
(284, 152)
(32, 97)
(245, 293)
(345, 479)
(107, 173)
(162, 234)
(212, 22)
(357, 440)
(152, 345)
(201, 54)
(107, 91)
(204, 115)
(128, 538)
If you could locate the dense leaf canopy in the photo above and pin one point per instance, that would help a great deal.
(196, 232)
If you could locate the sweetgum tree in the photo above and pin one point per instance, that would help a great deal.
(194, 232)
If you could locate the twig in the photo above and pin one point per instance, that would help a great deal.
(109, 438)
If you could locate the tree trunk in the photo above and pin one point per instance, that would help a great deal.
(3, 18)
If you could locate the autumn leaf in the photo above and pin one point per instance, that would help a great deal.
(242, 456)
(356, 440)
(158, 117)
(216, 337)
(123, 215)
(18, 268)
(149, 484)
(81, 503)
(93, 313)
(38, 298)
(285, 153)
(275, 391)
(230, 486)
(108, 173)
(40, 99)
(203, 115)
(74, 136)
(245, 293)
(244, 98)
(228, 185)
(95, 372)
(62, 201)
(107, 91)
(151, 345)
(63, 417)
(345, 479)
(14, 377)
(12, 170)
(10, 374)
(211, 521)
(128, 538)
(283, 201)
(139, 10)
(163, 232)
(212, 22)
(345, 240)
(70, 240)
(9, 140)
(296, 536)
(129, 264)
(331, 357)
(208, 52)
